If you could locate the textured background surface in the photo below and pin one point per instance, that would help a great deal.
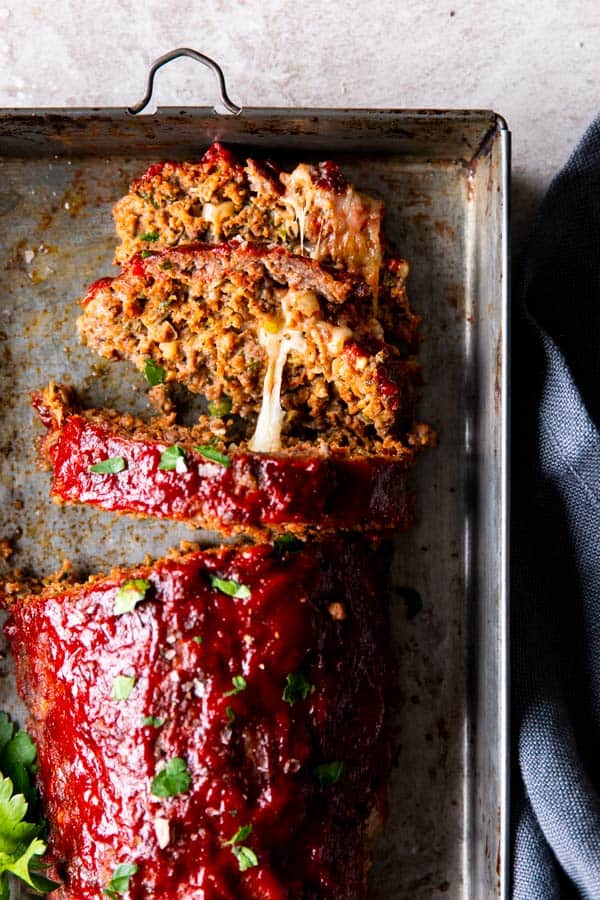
(537, 63)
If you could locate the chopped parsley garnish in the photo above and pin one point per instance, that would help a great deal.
(220, 407)
(329, 773)
(165, 265)
(297, 688)
(230, 587)
(241, 834)
(153, 373)
(149, 236)
(197, 639)
(287, 543)
(210, 452)
(412, 599)
(153, 721)
(230, 715)
(173, 460)
(146, 253)
(108, 466)
(246, 857)
(130, 594)
(123, 686)
(119, 883)
(239, 684)
(173, 780)
(20, 844)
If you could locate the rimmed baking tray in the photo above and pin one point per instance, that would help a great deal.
(444, 178)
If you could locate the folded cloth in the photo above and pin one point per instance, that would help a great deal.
(555, 545)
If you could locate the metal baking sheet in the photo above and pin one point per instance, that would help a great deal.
(443, 176)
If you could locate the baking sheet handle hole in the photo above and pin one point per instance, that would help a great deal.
(228, 104)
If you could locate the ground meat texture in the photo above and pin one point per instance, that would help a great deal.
(294, 755)
(239, 319)
(312, 211)
(304, 490)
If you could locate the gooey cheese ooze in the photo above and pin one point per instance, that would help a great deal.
(301, 322)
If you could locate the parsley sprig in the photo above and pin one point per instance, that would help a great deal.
(21, 846)
(245, 856)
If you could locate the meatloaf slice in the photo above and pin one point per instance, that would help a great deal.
(272, 332)
(167, 471)
(312, 210)
(213, 722)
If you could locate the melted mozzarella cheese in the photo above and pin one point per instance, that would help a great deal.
(301, 312)
(216, 212)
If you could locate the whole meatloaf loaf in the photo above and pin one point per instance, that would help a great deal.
(290, 346)
(160, 469)
(210, 726)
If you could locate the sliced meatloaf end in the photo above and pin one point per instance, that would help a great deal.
(214, 720)
(313, 210)
(124, 465)
(284, 338)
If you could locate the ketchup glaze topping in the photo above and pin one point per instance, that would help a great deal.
(247, 750)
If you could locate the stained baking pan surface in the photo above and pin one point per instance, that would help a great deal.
(443, 176)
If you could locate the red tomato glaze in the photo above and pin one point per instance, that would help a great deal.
(252, 757)
(256, 490)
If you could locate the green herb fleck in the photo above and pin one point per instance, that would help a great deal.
(20, 844)
(130, 594)
(197, 639)
(149, 236)
(213, 454)
(241, 834)
(119, 883)
(246, 857)
(296, 688)
(153, 373)
(230, 715)
(239, 684)
(173, 460)
(286, 543)
(123, 686)
(220, 407)
(173, 780)
(167, 264)
(329, 773)
(412, 600)
(108, 466)
(153, 721)
(283, 233)
(230, 587)
(146, 253)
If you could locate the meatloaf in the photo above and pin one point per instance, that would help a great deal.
(312, 210)
(267, 330)
(122, 464)
(210, 726)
